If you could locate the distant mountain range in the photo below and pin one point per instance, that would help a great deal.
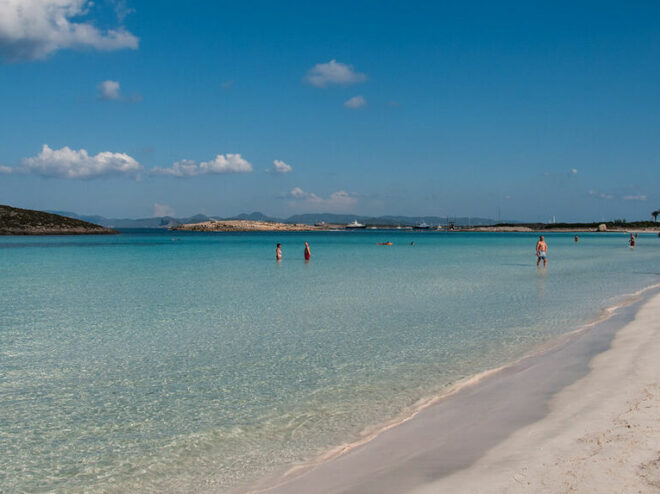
(309, 219)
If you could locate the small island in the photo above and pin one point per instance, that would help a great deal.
(16, 221)
(247, 226)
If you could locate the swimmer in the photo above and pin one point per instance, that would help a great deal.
(576, 239)
(631, 242)
(308, 253)
(278, 252)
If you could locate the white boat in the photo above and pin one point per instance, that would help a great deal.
(422, 226)
(354, 225)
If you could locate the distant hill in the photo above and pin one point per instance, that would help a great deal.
(155, 222)
(16, 221)
(308, 219)
(256, 216)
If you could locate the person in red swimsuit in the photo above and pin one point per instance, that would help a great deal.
(308, 253)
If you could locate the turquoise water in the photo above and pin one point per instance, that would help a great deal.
(160, 362)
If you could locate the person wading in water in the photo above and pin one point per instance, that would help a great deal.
(541, 252)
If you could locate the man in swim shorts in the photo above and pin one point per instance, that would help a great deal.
(541, 251)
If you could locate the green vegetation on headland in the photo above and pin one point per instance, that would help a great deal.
(16, 221)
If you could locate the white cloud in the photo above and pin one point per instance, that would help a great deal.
(229, 163)
(162, 210)
(333, 73)
(34, 29)
(282, 167)
(638, 197)
(109, 90)
(574, 171)
(355, 102)
(121, 10)
(6, 170)
(337, 201)
(72, 164)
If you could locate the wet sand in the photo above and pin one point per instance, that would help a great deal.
(581, 416)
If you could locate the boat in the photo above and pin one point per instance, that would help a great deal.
(422, 226)
(355, 225)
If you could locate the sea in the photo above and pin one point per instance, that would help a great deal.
(158, 361)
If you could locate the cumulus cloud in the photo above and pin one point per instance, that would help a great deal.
(72, 164)
(333, 73)
(337, 201)
(355, 102)
(162, 210)
(574, 171)
(34, 29)
(229, 163)
(281, 167)
(109, 90)
(6, 170)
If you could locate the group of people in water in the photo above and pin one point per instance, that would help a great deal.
(541, 249)
(307, 252)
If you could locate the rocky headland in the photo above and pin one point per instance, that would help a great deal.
(16, 221)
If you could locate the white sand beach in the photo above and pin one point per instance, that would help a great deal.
(601, 435)
(582, 417)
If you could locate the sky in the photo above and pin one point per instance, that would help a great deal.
(523, 111)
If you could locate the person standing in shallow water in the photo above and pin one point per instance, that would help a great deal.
(308, 253)
(541, 252)
(278, 252)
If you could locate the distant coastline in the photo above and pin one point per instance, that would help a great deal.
(248, 226)
(274, 226)
(16, 221)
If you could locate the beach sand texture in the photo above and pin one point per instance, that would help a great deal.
(582, 417)
(602, 434)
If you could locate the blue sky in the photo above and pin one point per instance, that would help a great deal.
(525, 109)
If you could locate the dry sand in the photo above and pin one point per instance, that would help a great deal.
(583, 416)
(601, 435)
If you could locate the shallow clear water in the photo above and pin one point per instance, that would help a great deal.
(187, 362)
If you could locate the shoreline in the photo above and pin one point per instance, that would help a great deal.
(437, 445)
